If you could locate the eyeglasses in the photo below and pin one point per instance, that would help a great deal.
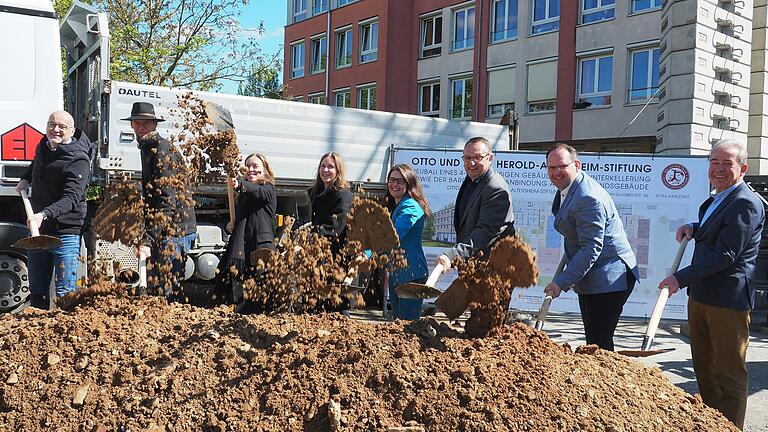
(474, 159)
(399, 181)
(559, 167)
(61, 126)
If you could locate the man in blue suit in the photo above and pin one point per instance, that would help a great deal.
(601, 266)
(720, 281)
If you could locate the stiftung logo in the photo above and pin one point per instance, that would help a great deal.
(675, 176)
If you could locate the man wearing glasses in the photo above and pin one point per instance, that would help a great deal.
(58, 175)
(483, 211)
(600, 263)
(170, 223)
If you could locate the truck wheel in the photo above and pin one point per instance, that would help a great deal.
(14, 283)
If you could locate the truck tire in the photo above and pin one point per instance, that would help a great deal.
(14, 283)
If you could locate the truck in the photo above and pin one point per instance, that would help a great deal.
(292, 134)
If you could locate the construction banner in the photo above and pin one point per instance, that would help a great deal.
(654, 195)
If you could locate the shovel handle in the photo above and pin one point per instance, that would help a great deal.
(434, 275)
(28, 209)
(661, 301)
(231, 200)
(544, 309)
(142, 270)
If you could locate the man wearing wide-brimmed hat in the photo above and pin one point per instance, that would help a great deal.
(170, 226)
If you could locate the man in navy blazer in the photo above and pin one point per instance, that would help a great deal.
(601, 266)
(720, 281)
(483, 213)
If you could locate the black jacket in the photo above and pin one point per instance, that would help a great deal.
(254, 220)
(329, 214)
(58, 179)
(158, 158)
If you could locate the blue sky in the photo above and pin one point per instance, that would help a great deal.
(273, 13)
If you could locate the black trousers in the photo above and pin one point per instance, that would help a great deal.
(600, 314)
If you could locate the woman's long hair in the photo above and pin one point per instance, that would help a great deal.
(269, 176)
(338, 184)
(412, 186)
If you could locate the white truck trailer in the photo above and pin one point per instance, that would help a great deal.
(293, 135)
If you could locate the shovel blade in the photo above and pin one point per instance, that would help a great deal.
(220, 117)
(644, 353)
(413, 290)
(38, 242)
(260, 254)
(453, 302)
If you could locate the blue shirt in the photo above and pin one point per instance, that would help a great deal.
(717, 199)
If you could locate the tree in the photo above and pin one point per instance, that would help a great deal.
(178, 43)
(263, 81)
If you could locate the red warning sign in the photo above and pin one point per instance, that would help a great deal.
(20, 143)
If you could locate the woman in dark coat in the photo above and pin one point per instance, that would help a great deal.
(254, 225)
(330, 199)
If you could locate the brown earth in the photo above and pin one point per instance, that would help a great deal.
(140, 364)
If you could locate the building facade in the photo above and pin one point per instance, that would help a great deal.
(603, 75)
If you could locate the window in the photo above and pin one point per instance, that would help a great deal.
(461, 98)
(319, 6)
(431, 36)
(343, 48)
(297, 60)
(342, 98)
(504, 20)
(366, 97)
(644, 74)
(369, 41)
(597, 10)
(299, 10)
(464, 28)
(319, 54)
(641, 5)
(595, 80)
(501, 91)
(542, 86)
(546, 16)
(429, 101)
(317, 98)
(343, 2)
(298, 99)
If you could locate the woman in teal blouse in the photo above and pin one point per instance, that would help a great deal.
(409, 210)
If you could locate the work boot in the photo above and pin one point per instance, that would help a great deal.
(39, 301)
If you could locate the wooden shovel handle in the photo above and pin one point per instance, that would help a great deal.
(434, 276)
(231, 200)
(544, 309)
(28, 209)
(661, 301)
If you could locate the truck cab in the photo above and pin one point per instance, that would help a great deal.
(30, 90)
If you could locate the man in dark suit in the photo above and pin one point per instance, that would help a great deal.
(483, 211)
(720, 281)
(170, 224)
(601, 265)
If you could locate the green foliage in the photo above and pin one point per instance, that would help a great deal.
(179, 43)
(429, 226)
(264, 81)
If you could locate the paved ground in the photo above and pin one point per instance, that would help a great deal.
(676, 364)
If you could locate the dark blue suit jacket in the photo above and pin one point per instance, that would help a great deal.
(723, 266)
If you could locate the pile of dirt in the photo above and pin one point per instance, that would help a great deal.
(142, 365)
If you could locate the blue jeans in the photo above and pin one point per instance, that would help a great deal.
(42, 263)
(405, 308)
(168, 264)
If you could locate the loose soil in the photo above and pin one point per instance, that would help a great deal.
(141, 364)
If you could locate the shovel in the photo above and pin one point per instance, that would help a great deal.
(36, 240)
(548, 299)
(653, 324)
(413, 290)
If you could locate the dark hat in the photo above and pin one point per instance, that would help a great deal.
(143, 111)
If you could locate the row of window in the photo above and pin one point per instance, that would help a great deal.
(594, 85)
(342, 58)
(301, 11)
(545, 17)
(366, 97)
